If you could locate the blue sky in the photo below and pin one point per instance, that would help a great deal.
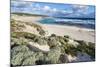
(54, 9)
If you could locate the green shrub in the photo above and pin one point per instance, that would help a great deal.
(63, 58)
(16, 26)
(66, 36)
(53, 35)
(17, 59)
(20, 41)
(23, 34)
(29, 60)
(54, 55)
(52, 42)
(87, 47)
(41, 31)
(17, 54)
(21, 55)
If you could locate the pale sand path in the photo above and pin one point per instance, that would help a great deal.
(74, 32)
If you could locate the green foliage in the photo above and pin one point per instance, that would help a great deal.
(41, 41)
(66, 36)
(23, 34)
(53, 55)
(71, 50)
(16, 26)
(17, 54)
(38, 28)
(88, 48)
(29, 60)
(20, 41)
(59, 47)
(41, 31)
(62, 40)
(53, 35)
(63, 58)
(52, 42)
(17, 59)
(21, 55)
(19, 26)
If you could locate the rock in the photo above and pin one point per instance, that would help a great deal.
(37, 47)
(83, 57)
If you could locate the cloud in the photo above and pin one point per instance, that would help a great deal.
(80, 9)
(19, 4)
(35, 7)
(54, 10)
(46, 8)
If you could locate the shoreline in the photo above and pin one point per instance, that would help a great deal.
(74, 32)
(70, 26)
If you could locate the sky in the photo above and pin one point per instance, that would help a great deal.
(54, 9)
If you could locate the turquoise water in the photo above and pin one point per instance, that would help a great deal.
(90, 23)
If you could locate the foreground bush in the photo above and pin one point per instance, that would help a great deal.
(21, 55)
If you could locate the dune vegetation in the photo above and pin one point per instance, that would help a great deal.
(27, 46)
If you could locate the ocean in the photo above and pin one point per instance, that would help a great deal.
(86, 23)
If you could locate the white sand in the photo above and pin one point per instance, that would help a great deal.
(74, 32)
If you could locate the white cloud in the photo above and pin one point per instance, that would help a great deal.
(19, 3)
(80, 9)
(47, 8)
(35, 7)
(54, 10)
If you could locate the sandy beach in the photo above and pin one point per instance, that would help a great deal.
(73, 31)
(51, 33)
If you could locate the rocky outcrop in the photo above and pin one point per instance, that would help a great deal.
(36, 47)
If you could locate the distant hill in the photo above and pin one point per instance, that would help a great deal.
(28, 14)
